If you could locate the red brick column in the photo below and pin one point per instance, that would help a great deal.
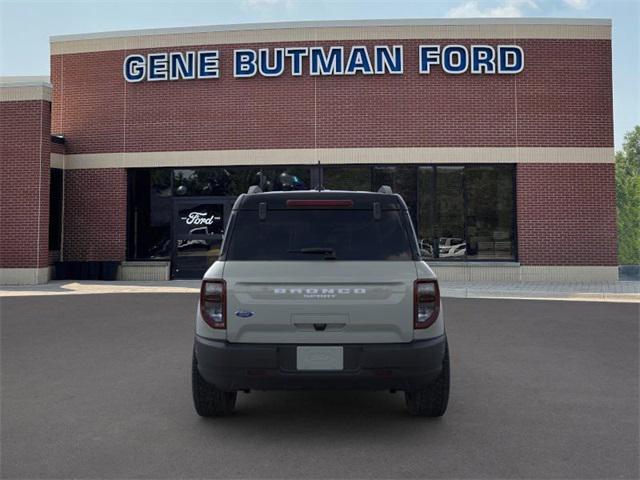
(567, 214)
(95, 214)
(24, 188)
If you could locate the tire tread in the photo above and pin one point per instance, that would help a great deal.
(208, 400)
(432, 400)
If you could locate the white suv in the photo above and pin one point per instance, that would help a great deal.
(320, 290)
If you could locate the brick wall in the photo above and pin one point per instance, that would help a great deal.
(24, 183)
(566, 214)
(95, 214)
(562, 98)
(57, 148)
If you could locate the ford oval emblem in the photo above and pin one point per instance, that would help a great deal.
(244, 314)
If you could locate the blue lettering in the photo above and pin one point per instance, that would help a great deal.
(179, 67)
(321, 64)
(385, 61)
(158, 67)
(359, 61)
(277, 68)
(429, 55)
(296, 55)
(244, 63)
(455, 59)
(208, 64)
(510, 59)
(483, 59)
(133, 68)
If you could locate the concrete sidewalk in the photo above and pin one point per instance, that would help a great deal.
(579, 291)
(594, 292)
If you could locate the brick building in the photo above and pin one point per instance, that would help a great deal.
(498, 134)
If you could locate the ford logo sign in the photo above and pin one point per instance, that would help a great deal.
(244, 314)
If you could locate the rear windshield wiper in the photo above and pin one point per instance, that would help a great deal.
(329, 253)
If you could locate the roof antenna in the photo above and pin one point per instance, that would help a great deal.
(320, 187)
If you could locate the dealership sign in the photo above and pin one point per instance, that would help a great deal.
(324, 61)
(200, 218)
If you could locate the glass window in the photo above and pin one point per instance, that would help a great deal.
(233, 181)
(489, 218)
(460, 212)
(151, 193)
(201, 181)
(205, 219)
(426, 212)
(282, 179)
(449, 226)
(149, 232)
(55, 208)
(466, 212)
(402, 180)
(320, 234)
(347, 177)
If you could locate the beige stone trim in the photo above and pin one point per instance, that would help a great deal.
(340, 156)
(24, 93)
(56, 160)
(469, 272)
(335, 31)
(147, 271)
(15, 89)
(24, 276)
(568, 274)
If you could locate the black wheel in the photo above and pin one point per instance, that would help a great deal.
(207, 399)
(432, 400)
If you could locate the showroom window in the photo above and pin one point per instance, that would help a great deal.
(489, 212)
(151, 193)
(347, 177)
(233, 181)
(467, 212)
(149, 214)
(460, 212)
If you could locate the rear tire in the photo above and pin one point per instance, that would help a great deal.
(432, 400)
(208, 400)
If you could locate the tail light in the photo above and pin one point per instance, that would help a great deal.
(320, 203)
(213, 299)
(426, 303)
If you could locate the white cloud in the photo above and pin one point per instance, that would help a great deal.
(508, 8)
(578, 4)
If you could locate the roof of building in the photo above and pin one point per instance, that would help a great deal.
(16, 89)
(336, 23)
(24, 81)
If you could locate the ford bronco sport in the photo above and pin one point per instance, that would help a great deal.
(320, 290)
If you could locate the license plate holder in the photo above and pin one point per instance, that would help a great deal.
(320, 358)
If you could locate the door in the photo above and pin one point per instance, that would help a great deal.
(302, 275)
(198, 228)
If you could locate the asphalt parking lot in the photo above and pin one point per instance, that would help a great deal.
(98, 386)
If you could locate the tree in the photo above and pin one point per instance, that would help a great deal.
(628, 198)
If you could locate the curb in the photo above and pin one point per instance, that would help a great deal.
(541, 295)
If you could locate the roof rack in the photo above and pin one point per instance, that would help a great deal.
(254, 189)
(385, 189)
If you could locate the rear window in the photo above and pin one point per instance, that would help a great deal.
(320, 235)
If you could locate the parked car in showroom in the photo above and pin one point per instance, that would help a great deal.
(447, 247)
(320, 290)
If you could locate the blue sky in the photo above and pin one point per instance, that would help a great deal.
(25, 26)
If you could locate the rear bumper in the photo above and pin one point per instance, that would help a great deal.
(400, 366)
